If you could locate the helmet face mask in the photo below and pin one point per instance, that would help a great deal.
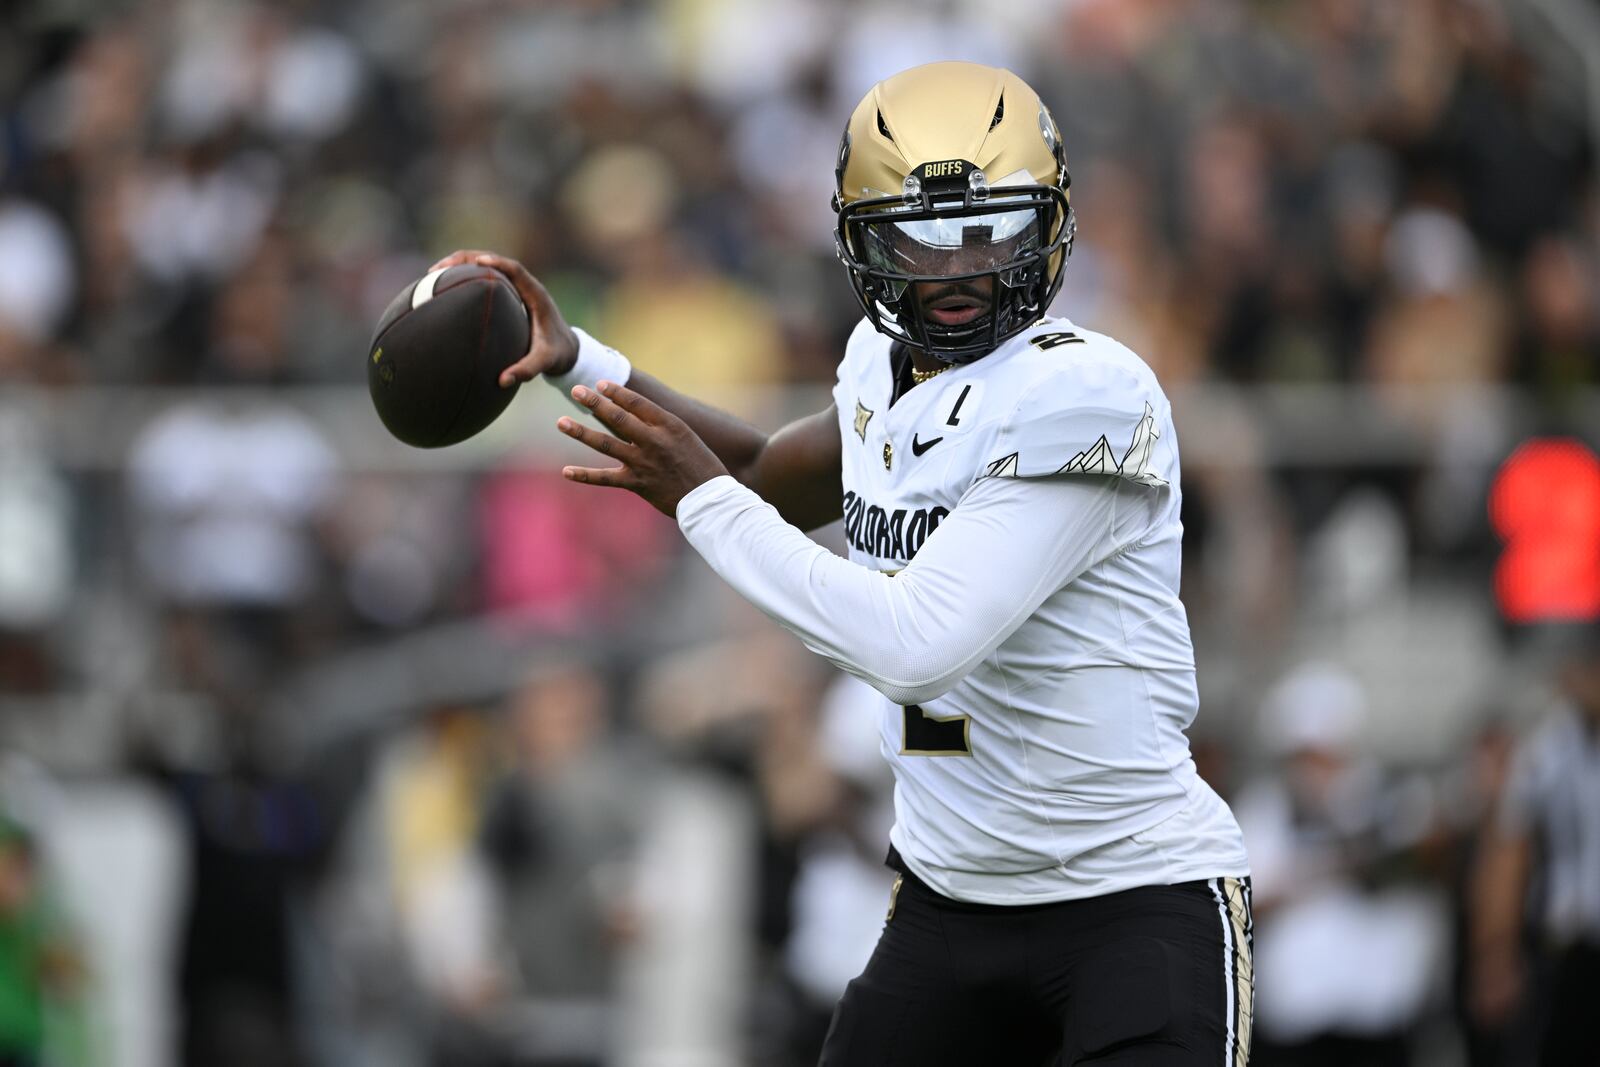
(996, 252)
(943, 257)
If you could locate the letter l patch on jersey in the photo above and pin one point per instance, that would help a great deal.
(957, 409)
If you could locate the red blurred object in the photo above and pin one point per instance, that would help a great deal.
(1545, 505)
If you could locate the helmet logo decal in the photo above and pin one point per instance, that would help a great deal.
(944, 168)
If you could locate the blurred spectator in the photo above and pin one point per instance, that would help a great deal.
(1344, 925)
(559, 837)
(841, 884)
(38, 567)
(41, 975)
(430, 783)
(201, 215)
(402, 547)
(1543, 861)
(255, 838)
(1444, 323)
(226, 497)
(760, 723)
(1558, 343)
(559, 563)
(1475, 797)
(39, 284)
(1268, 159)
(704, 333)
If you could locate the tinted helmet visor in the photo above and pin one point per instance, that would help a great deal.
(952, 247)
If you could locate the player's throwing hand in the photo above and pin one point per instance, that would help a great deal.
(552, 346)
(662, 458)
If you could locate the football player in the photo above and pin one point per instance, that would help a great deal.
(1070, 890)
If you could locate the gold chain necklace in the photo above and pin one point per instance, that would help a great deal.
(920, 376)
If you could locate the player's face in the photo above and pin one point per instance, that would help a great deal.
(967, 250)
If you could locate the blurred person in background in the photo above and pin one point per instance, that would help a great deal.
(38, 512)
(42, 978)
(559, 837)
(756, 734)
(840, 881)
(1557, 348)
(256, 836)
(429, 784)
(36, 291)
(1473, 797)
(255, 829)
(226, 497)
(1541, 868)
(594, 556)
(1345, 924)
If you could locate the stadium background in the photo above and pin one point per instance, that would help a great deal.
(320, 750)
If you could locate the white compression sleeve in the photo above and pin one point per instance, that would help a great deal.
(1006, 546)
(595, 361)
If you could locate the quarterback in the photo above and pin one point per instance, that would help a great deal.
(1070, 890)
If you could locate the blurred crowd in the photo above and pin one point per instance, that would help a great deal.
(315, 754)
(228, 193)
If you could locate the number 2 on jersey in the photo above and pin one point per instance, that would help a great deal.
(1048, 341)
(926, 735)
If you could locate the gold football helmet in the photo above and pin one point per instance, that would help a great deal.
(954, 218)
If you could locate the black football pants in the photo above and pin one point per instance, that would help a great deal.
(1158, 976)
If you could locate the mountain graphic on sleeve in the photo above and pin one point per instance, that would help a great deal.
(1004, 467)
(1100, 458)
(1135, 463)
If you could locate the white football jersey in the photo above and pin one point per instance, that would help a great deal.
(1058, 766)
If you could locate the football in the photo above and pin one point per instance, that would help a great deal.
(434, 363)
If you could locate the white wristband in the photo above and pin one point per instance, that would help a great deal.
(595, 362)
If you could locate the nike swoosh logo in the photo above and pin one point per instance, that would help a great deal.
(919, 447)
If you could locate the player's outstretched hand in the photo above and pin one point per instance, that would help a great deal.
(662, 458)
(552, 346)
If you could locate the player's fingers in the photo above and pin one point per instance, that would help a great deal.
(525, 369)
(540, 304)
(623, 423)
(603, 443)
(612, 477)
(534, 297)
(542, 352)
(545, 317)
(456, 258)
(644, 410)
